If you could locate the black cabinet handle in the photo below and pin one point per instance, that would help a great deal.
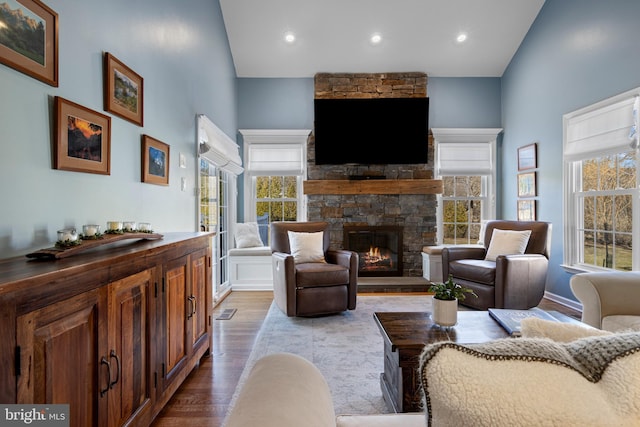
(115, 356)
(104, 361)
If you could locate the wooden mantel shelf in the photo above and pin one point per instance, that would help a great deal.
(373, 186)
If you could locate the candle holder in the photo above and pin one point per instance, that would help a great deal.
(144, 227)
(114, 227)
(91, 231)
(67, 235)
(67, 238)
(129, 226)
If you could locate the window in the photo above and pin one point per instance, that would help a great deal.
(462, 201)
(465, 161)
(275, 168)
(601, 187)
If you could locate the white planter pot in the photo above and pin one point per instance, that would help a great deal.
(445, 312)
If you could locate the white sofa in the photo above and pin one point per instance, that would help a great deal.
(286, 390)
(610, 300)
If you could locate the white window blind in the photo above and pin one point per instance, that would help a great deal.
(465, 151)
(217, 147)
(464, 158)
(275, 159)
(601, 128)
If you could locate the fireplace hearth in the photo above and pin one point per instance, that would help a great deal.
(379, 249)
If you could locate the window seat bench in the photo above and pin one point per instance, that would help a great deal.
(251, 269)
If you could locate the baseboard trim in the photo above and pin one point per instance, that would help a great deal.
(563, 301)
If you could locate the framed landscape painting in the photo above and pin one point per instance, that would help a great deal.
(83, 139)
(123, 90)
(527, 184)
(528, 157)
(526, 210)
(29, 39)
(155, 161)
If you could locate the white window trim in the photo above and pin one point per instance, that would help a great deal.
(486, 140)
(274, 137)
(580, 142)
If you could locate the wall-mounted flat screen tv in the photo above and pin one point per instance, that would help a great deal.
(371, 131)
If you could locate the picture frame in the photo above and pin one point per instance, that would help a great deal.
(527, 184)
(526, 210)
(33, 52)
(155, 161)
(82, 139)
(528, 157)
(123, 90)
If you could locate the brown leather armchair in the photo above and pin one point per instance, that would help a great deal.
(312, 288)
(511, 281)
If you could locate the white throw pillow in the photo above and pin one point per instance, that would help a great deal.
(247, 235)
(306, 247)
(507, 242)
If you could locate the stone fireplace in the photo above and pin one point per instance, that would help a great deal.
(409, 207)
(379, 248)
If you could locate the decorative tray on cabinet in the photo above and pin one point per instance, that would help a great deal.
(57, 252)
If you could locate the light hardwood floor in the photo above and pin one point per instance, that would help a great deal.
(203, 398)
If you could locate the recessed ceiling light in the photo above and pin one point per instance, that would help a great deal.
(376, 38)
(461, 37)
(289, 37)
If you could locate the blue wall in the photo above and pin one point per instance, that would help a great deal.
(183, 55)
(576, 53)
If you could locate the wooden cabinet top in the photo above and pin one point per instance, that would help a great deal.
(26, 279)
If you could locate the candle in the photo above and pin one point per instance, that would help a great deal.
(90, 230)
(68, 234)
(114, 225)
(144, 226)
(129, 225)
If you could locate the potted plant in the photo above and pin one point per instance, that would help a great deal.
(445, 301)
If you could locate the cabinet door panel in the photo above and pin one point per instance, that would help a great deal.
(175, 309)
(199, 294)
(60, 351)
(129, 346)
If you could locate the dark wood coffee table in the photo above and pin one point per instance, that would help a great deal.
(406, 333)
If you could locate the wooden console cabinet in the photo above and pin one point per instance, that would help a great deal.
(113, 331)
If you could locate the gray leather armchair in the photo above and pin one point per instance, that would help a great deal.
(313, 288)
(511, 281)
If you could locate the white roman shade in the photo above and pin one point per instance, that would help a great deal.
(275, 159)
(465, 151)
(275, 151)
(217, 147)
(600, 128)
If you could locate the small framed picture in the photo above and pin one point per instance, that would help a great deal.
(527, 184)
(82, 139)
(29, 39)
(123, 90)
(527, 157)
(526, 210)
(155, 161)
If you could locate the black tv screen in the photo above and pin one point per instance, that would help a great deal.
(371, 131)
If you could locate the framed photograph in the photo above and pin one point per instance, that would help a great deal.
(29, 39)
(155, 161)
(123, 90)
(526, 210)
(527, 184)
(82, 139)
(527, 157)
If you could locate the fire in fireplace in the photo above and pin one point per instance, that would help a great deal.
(379, 248)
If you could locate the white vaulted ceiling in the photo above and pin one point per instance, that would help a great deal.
(417, 35)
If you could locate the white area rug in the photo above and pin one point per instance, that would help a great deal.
(347, 348)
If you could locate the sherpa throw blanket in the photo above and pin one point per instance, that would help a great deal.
(592, 381)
